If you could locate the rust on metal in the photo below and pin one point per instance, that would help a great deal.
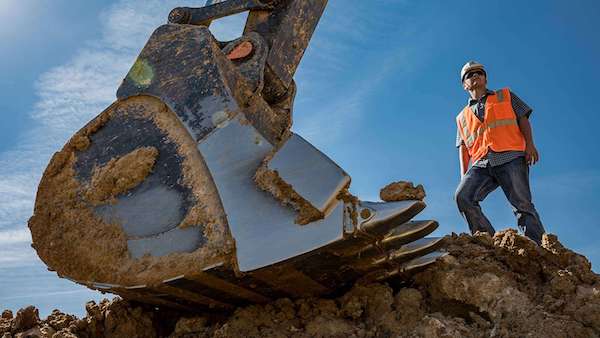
(240, 51)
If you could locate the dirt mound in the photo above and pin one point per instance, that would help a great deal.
(501, 286)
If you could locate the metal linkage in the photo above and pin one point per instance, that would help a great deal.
(215, 10)
(286, 25)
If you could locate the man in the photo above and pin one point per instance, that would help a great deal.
(495, 136)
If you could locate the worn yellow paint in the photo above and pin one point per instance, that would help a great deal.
(141, 73)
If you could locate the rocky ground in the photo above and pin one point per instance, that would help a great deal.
(501, 286)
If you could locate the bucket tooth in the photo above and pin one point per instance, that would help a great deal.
(423, 261)
(385, 215)
(345, 261)
(375, 258)
(409, 232)
(382, 218)
(409, 267)
(397, 237)
(335, 271)
(419, 247)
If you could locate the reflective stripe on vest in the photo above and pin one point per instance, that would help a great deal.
(498, 131)
(480, 130)
(463, 122)
(500, 95)
(471, 138)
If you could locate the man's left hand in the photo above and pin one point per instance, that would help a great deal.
(531, 154)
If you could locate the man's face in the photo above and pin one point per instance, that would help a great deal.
(475, 79)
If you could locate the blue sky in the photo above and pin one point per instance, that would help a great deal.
(378, 90)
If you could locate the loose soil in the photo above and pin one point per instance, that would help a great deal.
(500, 286)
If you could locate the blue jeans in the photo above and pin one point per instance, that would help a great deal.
(513, 178)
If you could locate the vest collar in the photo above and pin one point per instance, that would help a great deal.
(471, 101)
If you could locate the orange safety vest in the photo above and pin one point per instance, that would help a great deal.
(499, 130)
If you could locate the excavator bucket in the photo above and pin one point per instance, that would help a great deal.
(190, 190)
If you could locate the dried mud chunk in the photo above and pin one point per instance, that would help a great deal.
(48, 331)
(81, 142)
(26, 318)
(64, 334)
(188, 327)
(57, 163)
(269, 181)
(123, 320)
(401, 191)
(351, 206)
(329, 327)
(408, 304)
(59, 320)
(34, 332)
(510, 239)
(437, 325)
(5, 325)
(372, 302)
(121, 174)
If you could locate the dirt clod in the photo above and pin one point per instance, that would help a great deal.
(270, 181)
(190, 327)
(121, 174)
(351, 204)
(401, 191)
(59, 321)
(26, 318)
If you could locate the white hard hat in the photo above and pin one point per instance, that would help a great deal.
(469, 66)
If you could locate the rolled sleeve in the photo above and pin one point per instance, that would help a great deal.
(519, 106)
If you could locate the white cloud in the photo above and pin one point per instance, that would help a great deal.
(19, 255)
(14, 236)
(46, 294)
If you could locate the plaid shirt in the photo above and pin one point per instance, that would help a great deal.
(493, 158)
